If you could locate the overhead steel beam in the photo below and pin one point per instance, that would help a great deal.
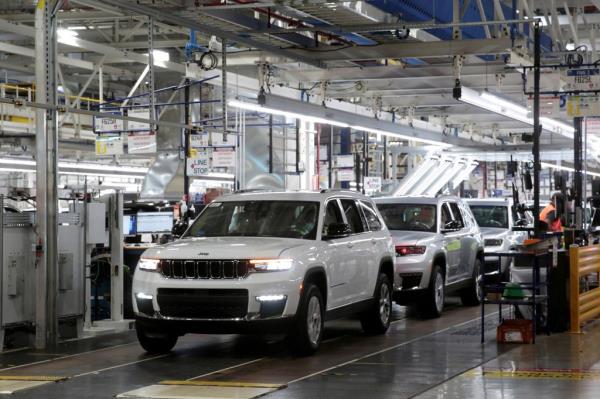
(411, 50)
(174, 19)
(91, 46)
(387, 72)
(286, 104)
(64, 60)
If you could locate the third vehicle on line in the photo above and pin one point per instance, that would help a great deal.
(439, 249)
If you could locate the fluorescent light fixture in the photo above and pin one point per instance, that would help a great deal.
(402, 136)
(509, 109)
(569, 169)
(293, 115)
(160, 55)
(64, 33)
(73, 168)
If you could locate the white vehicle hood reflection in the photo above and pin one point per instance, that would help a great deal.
(226, 248)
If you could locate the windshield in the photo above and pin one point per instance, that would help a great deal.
(491, 215)
(292, 219)
(412, 217)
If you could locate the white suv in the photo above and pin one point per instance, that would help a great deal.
(268, 262)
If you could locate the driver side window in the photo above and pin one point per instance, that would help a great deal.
(333, 215)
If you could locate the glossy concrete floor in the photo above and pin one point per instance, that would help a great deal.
(417, 358)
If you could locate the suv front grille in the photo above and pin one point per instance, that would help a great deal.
(203, 303)
(204, 269)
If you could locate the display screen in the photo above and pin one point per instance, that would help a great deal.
(154, 222)
(129, 225)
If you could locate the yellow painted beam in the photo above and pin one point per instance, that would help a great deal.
(232, 384)
(31, 378)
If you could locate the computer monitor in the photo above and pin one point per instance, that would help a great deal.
(129, 225)
(154, 222)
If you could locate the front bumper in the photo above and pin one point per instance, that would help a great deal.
(214, 301)
(242, 326)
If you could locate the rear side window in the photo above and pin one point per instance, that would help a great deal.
(371, 216)
(353, 216)
(457, 215)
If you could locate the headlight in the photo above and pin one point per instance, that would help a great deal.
(492, 242)
(150, 265)
(271, 265)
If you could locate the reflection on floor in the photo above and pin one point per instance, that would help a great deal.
(558, 366)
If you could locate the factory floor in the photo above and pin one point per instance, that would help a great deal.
(440, 358)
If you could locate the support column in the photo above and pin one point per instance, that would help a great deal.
(578, 174)
(116, 256)
(537, 129)
(40, 180)
(46, 177)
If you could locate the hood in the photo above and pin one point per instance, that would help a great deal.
(412, 237)
(493, 232)
(225, 248)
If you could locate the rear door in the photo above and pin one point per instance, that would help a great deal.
(379, 240)
(451, 243)
(358, 256)
(468, 245)
(335, 255)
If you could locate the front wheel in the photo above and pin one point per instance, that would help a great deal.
(308, 331)
(155, 343)
(432, 304)
(471, 296)
(377, 319)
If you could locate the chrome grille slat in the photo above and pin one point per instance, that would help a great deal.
(213, 269)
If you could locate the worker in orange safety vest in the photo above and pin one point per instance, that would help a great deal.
(550, 215)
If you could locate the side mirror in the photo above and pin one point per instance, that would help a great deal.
(337, 230)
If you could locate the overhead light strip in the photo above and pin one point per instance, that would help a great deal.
(567, 168)
(314, 119)
(509, 109)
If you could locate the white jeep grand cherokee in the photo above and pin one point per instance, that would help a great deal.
(268, 262)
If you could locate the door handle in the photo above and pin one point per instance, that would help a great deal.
(349, 245)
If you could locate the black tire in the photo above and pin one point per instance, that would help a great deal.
(308, 327)
(432, 304)
(470, 296)
(155, 343)
(377, 319)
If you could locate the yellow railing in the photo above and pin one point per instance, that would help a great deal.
(585, 306)
(31, 89)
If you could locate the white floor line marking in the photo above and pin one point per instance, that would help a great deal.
(388, 349)
(120, 365)
(226, 368)
(65, 357)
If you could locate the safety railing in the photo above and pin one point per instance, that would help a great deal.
(585, 303)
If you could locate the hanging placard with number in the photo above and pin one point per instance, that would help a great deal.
(108, 124)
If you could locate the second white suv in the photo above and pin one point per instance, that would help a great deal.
(268, 262)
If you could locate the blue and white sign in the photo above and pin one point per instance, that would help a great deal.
(108, 124)
(582, 79)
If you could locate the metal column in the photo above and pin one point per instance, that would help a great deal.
(578, 173)
(185, 142)
(116, 256)
(537, 129)
(46, 175)
(40, 181)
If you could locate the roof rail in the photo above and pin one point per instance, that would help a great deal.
(253, 190)
(338, 190)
